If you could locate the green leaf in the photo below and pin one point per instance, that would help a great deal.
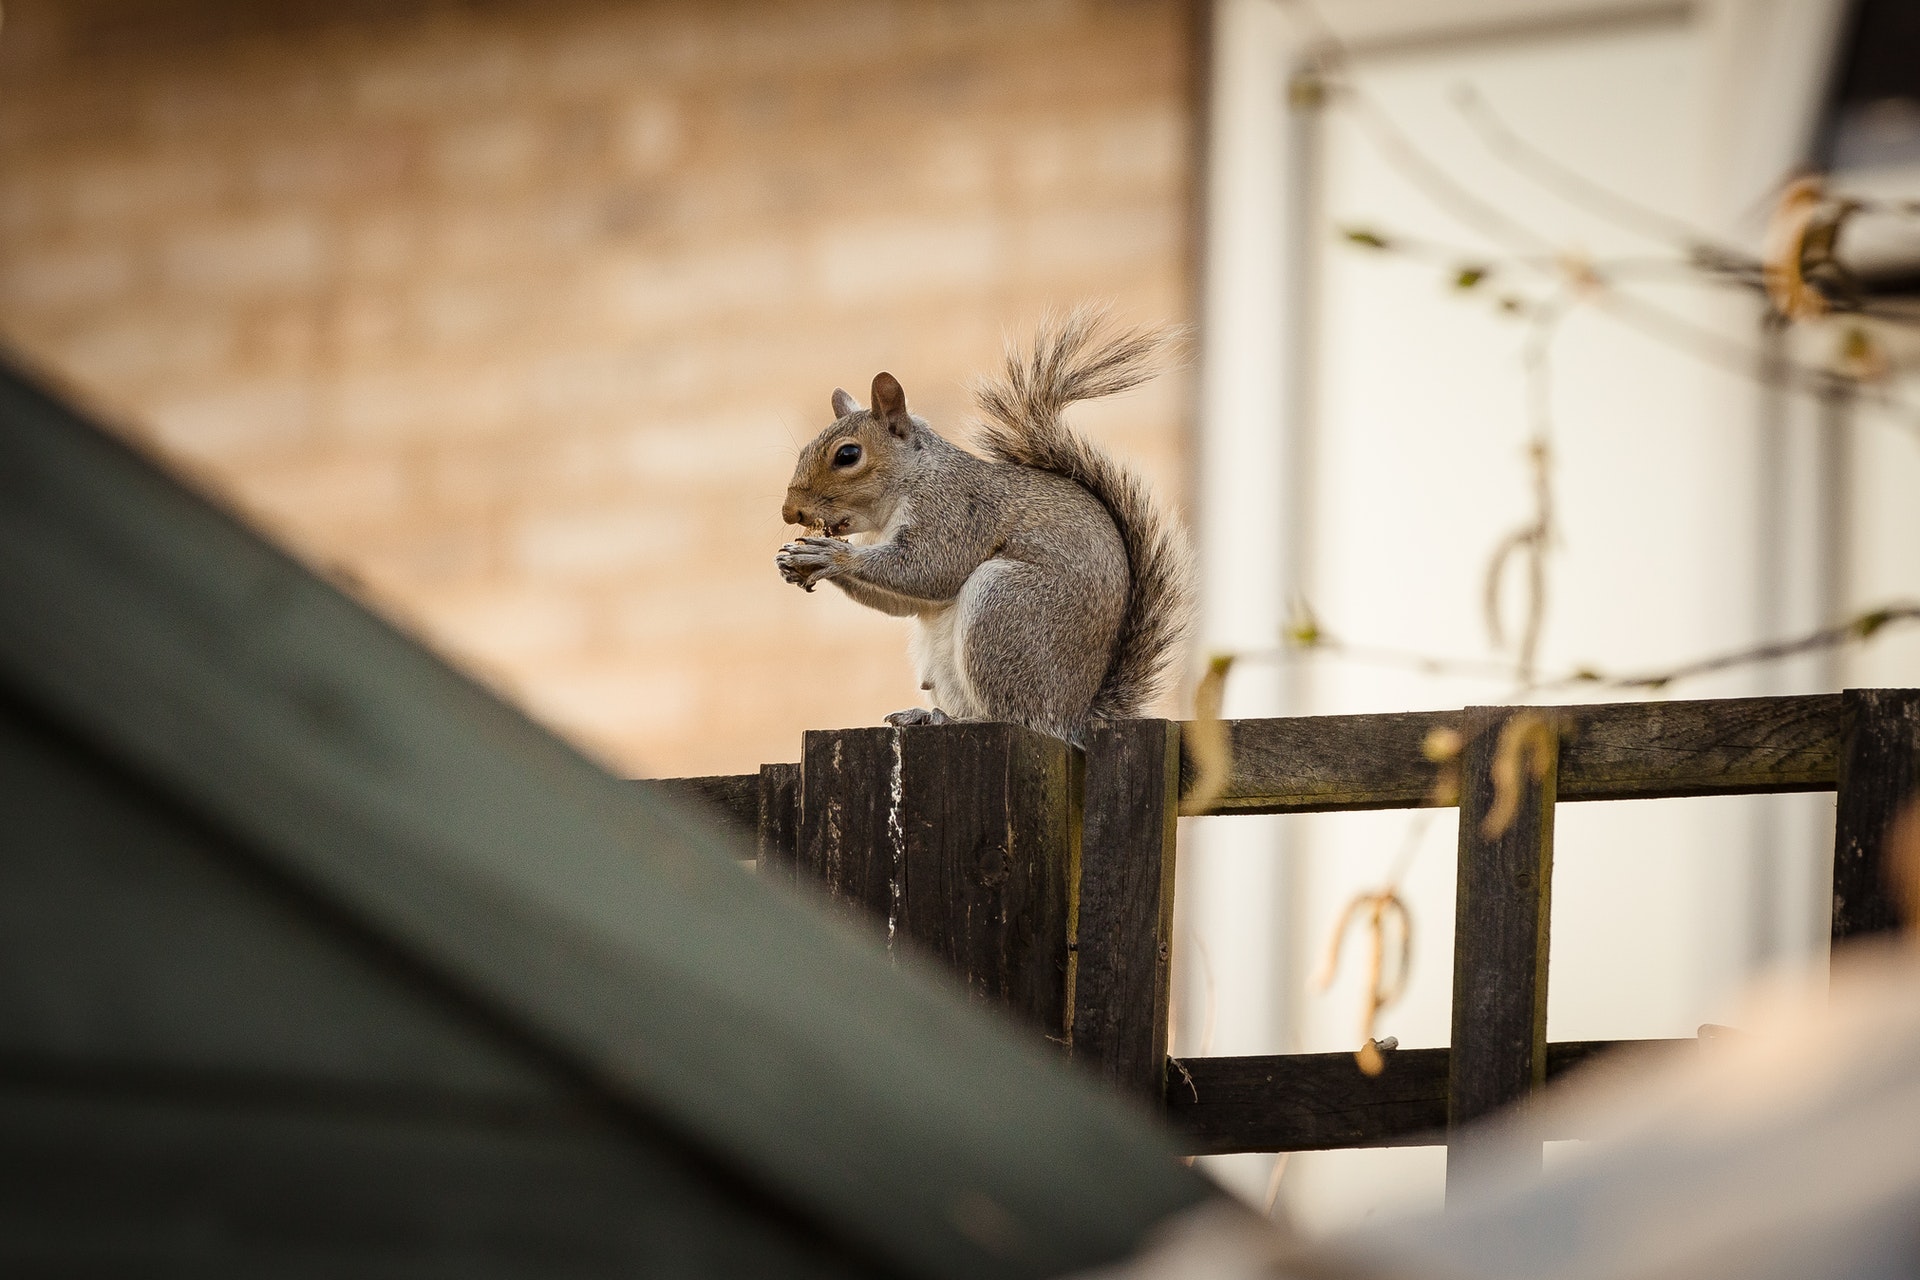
(1365, 239)
(1868, 623)
(1469, 276)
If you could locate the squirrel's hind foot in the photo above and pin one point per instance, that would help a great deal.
(918, 715)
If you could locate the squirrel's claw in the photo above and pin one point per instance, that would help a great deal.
(917, 715)
(806, 562)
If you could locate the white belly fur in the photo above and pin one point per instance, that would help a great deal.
(935, 649)
(939, 638)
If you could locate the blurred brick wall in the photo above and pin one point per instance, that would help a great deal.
(513, 312)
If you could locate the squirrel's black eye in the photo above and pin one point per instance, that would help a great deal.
(846, 455)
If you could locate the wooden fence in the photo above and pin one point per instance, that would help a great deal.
(1044, 875)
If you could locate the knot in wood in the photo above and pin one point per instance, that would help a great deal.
(993, 867)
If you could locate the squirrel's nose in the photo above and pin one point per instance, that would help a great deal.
(793, 513)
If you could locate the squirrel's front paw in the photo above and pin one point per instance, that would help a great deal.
(918, 715)
(807, 561)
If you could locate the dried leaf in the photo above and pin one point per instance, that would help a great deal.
(1380, 993)
(1783, 260)
(1861, 358)
(1528, 740)
(1903, 865)
(1443, 745)
(1303, 631)
(1336, 941)
(1580, 273)
(1867, 623)
(1207, 742)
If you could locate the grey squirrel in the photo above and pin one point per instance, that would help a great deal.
(1047, 588)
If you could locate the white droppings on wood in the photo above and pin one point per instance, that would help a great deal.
(897, 836)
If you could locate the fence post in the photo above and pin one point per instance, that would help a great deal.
(1879, 771)
(778, 831)
(846, 843)
(957, 842)
(1501, 919)
(1125, 933)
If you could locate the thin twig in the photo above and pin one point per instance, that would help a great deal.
(1577, 189)
(1856, 630)
(1280, 1162)
(1668, 328)
(1439, 186)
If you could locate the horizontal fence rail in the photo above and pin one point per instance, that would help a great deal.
(1612, 751)
(1322, 1101)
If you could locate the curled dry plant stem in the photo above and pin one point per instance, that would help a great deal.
(1525, 750)
(1378, 908)
(1532, 540)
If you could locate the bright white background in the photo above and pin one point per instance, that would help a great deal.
(1382, 503)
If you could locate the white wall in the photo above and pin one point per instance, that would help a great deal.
(1412, 452)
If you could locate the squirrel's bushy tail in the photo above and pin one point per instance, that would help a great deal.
(1082, 356)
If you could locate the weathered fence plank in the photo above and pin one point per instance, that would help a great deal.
(1125, 921)
(736, 796)
(777, 825)
(1879, 772)
(1613, 751)
(1727, 746)
(847, 842)
(987, 830)
(1322, 1102)
(1501, 914)
(1312, 764)
(922, 831)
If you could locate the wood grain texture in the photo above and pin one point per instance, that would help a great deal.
(1879, 773)
(848, 845)
(1725, 746)
(736, 796)
(986, 834)
(777, 830)
(1612, 751)
(1501, 914)
(1322, 1102)
(1125, 919)
(1311, 764)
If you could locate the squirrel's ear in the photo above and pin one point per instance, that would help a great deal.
(843, 404)
(890, 404)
